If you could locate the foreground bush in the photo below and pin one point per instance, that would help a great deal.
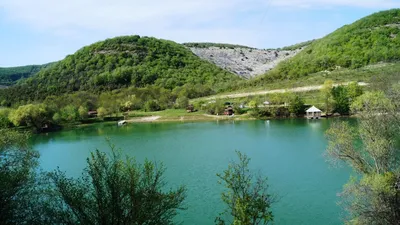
(115, 191)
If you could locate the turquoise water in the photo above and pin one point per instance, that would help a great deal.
(289, 152)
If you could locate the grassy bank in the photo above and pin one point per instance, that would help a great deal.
(175, 115)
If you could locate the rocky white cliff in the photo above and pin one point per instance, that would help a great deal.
(245, 62)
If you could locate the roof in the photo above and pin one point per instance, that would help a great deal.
(313, 109)
(266, 103)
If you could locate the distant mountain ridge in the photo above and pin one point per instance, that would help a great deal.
(10, 75)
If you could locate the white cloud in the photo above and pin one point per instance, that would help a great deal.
(117, 15)
(258, 23)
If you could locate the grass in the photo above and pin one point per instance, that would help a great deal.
(368, 74)
(181, 115)
(364, 74)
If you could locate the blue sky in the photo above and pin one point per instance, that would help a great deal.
(41, 31)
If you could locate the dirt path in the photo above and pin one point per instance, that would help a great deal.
(144, 119)
(298, 89)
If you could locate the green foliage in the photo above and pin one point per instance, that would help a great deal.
(262, 113)
(370, 148)
(69, 113)
(247, 196)
(151, 106)
(341, 98)
(31, 115)
(326, 92)
(10, 75)
(4, 118)
(83, 112)
(344, 96)
(296, 105)
(102, 112)
(129, 61)
(370, 40)
(354, 90)
(182, 102)
(17, 167)
(115, 191)
(216, 108)
(253, 104)
(297, 46)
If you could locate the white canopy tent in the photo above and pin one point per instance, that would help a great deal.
(313, 113)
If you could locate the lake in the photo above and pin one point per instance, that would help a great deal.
(289, 152)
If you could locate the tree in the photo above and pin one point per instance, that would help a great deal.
(296, 105)
(83, 112)
(247, 197)
(353, 91)
(31, 115)
(253, 104)
(102, 112)
(151, 106)
(17, 169)
(341, 100)
(115, 191)
(4, 118)
(326, 92)
(373, 197)
(69, 113)
(182, 102)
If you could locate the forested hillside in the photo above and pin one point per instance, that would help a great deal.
(373, 39)
(121, 62)
(10, 75)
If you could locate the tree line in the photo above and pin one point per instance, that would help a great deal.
(73, 108)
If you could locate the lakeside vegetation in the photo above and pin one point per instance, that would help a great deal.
(110, 184)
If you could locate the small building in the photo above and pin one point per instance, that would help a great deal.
(229, 111)
(92, 113)
(314, 113)
(266, 103)
(190, 108)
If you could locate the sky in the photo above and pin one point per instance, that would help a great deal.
(42, 31)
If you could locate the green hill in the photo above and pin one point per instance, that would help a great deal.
(10, 75)
(130, 61)
(373, 39)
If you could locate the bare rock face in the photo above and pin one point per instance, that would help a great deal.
(245, 62)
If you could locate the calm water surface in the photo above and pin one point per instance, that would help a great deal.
(289, 152)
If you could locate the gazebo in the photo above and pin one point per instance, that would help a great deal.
(313, 113)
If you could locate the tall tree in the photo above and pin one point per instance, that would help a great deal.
(371, 149)
(326, 92)
(247, 197)
(17, 164)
